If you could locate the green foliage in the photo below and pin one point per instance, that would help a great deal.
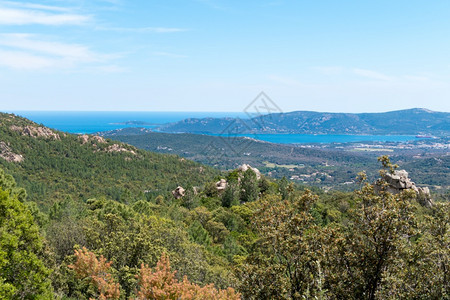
(370, 245)
(53, 169)
(230, 195)
(287, 255)
(379, 227)
(23, 274)
(249, 186)
(271, 240)
(199, 234)
(421, 270)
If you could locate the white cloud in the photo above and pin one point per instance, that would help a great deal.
(24, 61)
(372, 74)
(28, 14)
(26, 51)
(29, 42)
(34, 6)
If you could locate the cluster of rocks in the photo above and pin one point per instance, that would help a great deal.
(399, 181)
(244, 167)
(93, 138)
(179, 192)
(119, 148)
(35, 132)
(221, 185)
(7, 154)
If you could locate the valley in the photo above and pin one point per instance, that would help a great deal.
(329, 166)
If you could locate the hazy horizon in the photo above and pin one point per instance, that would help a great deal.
(200, 111)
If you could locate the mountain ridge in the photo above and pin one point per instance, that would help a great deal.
(409, 122)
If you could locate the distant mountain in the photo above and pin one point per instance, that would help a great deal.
(409, 122)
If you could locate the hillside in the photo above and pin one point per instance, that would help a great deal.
(100, 222)
(327, 166)
(402, 122)
(53, 165)
(229, 153)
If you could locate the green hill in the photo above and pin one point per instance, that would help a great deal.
(53, 165)
(267, 239)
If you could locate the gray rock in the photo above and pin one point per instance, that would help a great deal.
(245, 167)
(399, 181)
(221, 184)
(7, 154)
(33, 131)
(179, 192)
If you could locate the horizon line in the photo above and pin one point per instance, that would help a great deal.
(233, 112)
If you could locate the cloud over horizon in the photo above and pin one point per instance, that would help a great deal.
(12, 13)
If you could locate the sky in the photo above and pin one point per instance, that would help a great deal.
(216, 55)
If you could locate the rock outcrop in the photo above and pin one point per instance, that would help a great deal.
(94, 138)
(95, 141)
(399, 181)
(119, 148)
(245, 167)
(7, 154)
(179, 192)
(35, 132)
(221, 185)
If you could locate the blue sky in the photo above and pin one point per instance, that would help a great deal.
(213, 55)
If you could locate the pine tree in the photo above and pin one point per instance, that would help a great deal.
(23, 274)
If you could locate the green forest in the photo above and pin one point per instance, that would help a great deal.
(82, 217)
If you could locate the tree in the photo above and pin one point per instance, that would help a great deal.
(283, 188)
(249, 186)
(161, 284)
(422, 269)
(286, 259)
(199, 234)
(372, 240)
(230, 196)
(23, 274)
(97, 271)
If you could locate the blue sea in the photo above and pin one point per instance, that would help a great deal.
(95, 121)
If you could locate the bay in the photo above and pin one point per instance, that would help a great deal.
(95, 121)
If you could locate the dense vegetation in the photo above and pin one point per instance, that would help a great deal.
(255, 239)
(325, 167)
(61, 166)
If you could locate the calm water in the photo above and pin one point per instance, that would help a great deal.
(94, 121)
(90, 122)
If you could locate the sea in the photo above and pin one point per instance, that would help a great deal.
(81, 122)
